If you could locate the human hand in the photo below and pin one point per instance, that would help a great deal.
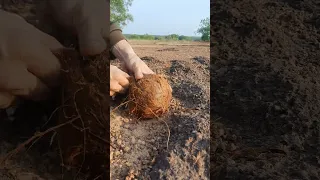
(118, 80)
(88, 20)
(27, 66)
(137, 67)
(130, 61)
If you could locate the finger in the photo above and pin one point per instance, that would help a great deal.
(45, 38)
(18, 81)
(149, 71)
(112, 93)
(123, 78)
(43, 64)
(124, 74)
(138, 74)
(120, 76)
(124, 82)
(116, 87)
(51, 42)
(91, 41)
(6, 100)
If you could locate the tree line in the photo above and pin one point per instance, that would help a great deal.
(172, 37)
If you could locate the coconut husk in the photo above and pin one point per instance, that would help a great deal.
(149, 97)
(84, 143)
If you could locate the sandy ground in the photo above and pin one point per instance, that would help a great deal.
(144, 149)
(265, 89)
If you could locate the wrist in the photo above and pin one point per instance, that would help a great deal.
(123, 51)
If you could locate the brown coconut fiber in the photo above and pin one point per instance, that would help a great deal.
(84, 141)
(149, 97)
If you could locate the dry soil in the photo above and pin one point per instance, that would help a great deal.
(144, 149)
(265, 89)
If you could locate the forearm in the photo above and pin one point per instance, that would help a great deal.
(115, 34)
(123, 51)
(120, 48)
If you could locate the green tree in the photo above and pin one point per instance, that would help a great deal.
(160, 38)
(134, 36)
(185, 38)
(119, 11)
(148, 37)
(172, 37)
(204, 29)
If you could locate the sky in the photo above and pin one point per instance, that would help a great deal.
(164, 17)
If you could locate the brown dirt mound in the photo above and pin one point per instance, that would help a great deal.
(84, 142)
(149, 97)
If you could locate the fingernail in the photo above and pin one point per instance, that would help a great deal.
(139, 76)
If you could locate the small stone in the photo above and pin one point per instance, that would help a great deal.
(126, 120)
(199, 135)
(230, 162)
(133, 140)
(234, 137)
(120, 123)
(222, 146)
(126, 126)
(128, 164)
(119, 142)
(141, 142)
(126, 149)
(112, 139)
(232, 147)
(117, 153)
(277, 108)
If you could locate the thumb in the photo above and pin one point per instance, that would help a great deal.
(90, 39)
(112, 93)
(138, 73)
(6, 100)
